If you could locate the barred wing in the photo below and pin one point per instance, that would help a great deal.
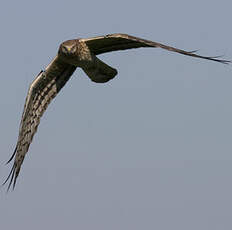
(41, 92)
(114, 42)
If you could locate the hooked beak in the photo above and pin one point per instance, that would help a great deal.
(69, 48)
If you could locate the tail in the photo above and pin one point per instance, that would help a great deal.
(100, 72)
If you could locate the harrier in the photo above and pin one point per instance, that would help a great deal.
(72, 54)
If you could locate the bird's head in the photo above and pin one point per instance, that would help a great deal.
(68, 48)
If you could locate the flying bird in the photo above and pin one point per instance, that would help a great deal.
(72, 54)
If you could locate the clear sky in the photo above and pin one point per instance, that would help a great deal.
(151, 149)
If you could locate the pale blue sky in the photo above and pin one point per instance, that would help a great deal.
(151, 149)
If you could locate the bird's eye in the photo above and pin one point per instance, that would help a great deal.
(64, 49)
(73, 49)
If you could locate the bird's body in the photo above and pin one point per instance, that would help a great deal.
(72, 54)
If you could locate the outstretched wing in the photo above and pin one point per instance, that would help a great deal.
(114, 42)
(41, 92)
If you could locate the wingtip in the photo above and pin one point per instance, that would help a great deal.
(223, 61)
(212, 58)
(217, 58)
(12, 156)
(12, 177)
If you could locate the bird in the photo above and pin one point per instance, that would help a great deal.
(82, 53)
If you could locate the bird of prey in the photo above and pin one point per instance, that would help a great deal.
(72, 54)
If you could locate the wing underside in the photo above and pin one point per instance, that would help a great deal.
(41, 92)
(115, 42)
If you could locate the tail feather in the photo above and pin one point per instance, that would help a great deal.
(100, 72)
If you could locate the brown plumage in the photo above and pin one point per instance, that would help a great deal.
(72, 54)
